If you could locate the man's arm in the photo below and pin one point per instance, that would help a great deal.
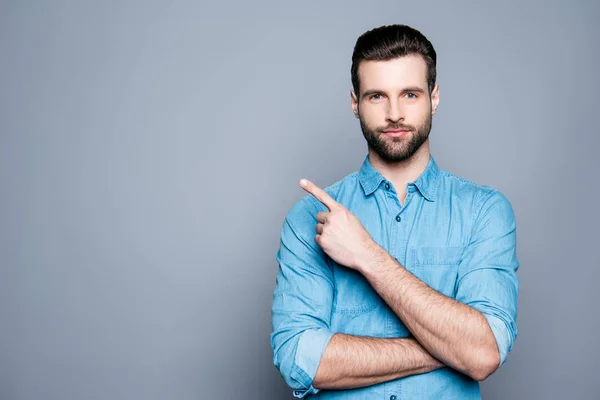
(302, 301)
(302, 339)
(451, 331)
(473, 333)
(353, 361)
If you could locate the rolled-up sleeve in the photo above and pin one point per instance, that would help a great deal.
(302, 301)
(487, 279)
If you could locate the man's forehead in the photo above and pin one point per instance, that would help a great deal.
(409, 70)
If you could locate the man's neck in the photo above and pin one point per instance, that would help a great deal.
(402, 172)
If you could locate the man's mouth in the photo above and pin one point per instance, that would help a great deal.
(396, 132)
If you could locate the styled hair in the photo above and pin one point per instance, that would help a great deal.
(389, 42)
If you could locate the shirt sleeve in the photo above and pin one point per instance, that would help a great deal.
(302, 301)
(487, 278)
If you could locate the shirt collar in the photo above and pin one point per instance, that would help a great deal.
(427, 182)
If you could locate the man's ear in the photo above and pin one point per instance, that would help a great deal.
(354, 103)
(435, 98)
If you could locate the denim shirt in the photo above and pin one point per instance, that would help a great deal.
(454, 235)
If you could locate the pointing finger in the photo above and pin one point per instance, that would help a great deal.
(319, 194)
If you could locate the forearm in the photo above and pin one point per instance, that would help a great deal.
(451, 331)
(355, 361)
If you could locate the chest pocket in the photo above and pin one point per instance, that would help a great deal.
(436, 266)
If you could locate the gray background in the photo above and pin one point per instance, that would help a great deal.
(150, 151)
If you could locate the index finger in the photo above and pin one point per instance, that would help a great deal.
(319, 194)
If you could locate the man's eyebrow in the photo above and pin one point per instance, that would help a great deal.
(372, 91)
(404, 90)
(413, 89)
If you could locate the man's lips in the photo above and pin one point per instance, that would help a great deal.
(396, 132)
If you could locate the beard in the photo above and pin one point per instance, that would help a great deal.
(395, 149)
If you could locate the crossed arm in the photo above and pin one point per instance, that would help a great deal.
(355, 361)
(471, 333)
(444, 329)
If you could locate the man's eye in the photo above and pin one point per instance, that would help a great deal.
(375, 97)
(411, 95)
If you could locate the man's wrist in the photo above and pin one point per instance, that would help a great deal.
(374, 258)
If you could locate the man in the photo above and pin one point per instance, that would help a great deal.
(399, 281)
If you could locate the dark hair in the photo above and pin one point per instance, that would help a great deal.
(392, 41)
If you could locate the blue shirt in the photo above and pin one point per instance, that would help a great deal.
(454, 235)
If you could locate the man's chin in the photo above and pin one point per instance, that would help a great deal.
(394, 156)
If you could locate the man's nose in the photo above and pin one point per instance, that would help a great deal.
(395, 111)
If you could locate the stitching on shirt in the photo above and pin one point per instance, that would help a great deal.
(354, 310)
(478, 208)
(460, 179)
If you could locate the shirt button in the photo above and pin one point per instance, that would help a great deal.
(393, 397)
(398, 218)
(387, 186)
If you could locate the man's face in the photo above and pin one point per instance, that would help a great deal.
(395, 108)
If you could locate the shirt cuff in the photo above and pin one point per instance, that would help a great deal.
(311, 345)
(501, 334)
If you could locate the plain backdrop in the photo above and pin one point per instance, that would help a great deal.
(149, 152)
